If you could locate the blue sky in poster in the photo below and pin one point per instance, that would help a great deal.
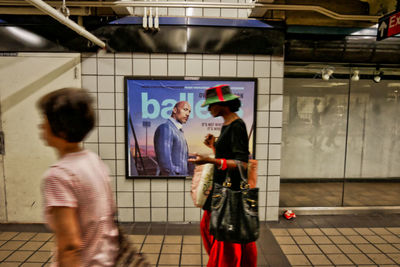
(150, 103)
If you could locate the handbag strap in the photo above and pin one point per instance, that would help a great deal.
(244, 183)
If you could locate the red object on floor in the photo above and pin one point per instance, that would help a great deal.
(226, 254)
(289, 214)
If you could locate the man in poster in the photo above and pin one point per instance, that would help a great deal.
(170, 143)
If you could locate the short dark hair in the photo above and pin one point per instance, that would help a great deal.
(233, 105)
(69, 112)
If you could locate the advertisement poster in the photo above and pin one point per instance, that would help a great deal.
(149, 104)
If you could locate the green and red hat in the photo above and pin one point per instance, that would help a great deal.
(219, 93)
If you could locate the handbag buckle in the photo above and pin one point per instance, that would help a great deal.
(227, 182)
(244, 186)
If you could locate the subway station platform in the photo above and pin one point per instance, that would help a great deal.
(340, 240)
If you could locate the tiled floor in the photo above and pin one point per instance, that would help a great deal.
(307, 241)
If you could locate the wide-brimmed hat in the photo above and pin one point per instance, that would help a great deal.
(219, 93)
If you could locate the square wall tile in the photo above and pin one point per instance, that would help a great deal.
(176, 67)
(125, 199)
(192, 214)
(245, 68)
(107, 151)
(194, 56)
(159, 67)
(141, 185)
(275, 119)
(106, 134)
(94, 147)
(124, 185)
(175, 214)
(120, 151)
(274, 183)
(142, 199)
(263, 85)
(159, 199)
(120, 134)
(123, 55)
(175, 185)
(175, 199)
(89, 82)
(261, 69)
(261, 213)
(262, 119)
(276, 102)
(275, 135)
(121, 168)
(105, 84)
(106, 118)
(93, 136)
(262, 135)
(274, 152)
(262, 183)
(210, 67)
(110, 165)
(193, 67)
(105, 66)
(119, 84)
(273, 199)
(262, 198)
(159, 185)
(123, 66)
(158, 215)
(141, 55)
(274, 167)
(89, 66)
(119, 101)
(272, 214)
(277, 69)
(263, 102)
(276, 85)
(142, 215)
(261, 151)
(262, 167)
(228, 68)
(141, 66)
(106, 101)
(119, 118)
(125, 214)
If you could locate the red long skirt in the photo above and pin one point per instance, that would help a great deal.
(226, 254)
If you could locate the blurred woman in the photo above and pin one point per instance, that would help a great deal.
(79, 206)
(232, 144)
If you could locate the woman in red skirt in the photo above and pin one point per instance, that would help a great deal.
(232, 145)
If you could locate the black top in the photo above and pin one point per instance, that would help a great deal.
(232, 143)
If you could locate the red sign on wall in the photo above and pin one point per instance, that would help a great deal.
(388, 25)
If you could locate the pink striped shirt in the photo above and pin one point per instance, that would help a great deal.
(80, 180)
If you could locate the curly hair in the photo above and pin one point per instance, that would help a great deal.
(233, 105)
(69, 112)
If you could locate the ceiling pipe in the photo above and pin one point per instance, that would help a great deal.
(66, 21)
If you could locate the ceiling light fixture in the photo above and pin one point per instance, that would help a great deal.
(356, 76)
(378, 74)
(326, 73)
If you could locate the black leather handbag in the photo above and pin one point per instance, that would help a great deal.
(234, 213)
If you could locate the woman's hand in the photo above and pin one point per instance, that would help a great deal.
(201, 159)
(209, 141)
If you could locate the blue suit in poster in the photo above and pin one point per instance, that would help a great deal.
(171, 150)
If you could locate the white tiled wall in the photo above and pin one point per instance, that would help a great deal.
(169, 200)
